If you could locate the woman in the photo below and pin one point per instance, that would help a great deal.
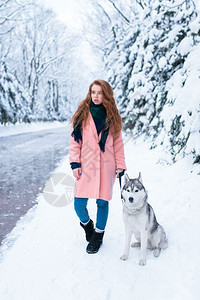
(96, 157)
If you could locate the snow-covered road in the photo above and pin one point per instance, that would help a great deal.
(26, 162)
(48, 259)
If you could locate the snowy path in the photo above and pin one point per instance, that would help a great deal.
(48, 260)
(26, 162)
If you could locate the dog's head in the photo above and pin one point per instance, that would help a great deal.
(133, 191)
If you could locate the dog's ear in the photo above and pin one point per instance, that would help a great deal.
(126, 178)
(140, 177)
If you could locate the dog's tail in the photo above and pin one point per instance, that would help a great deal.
(163, 241)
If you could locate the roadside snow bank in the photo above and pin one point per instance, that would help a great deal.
(18, 128)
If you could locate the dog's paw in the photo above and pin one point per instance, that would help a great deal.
(136, 244)
(124, 257)
(156, 252)
(142, 262)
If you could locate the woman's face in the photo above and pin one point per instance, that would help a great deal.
(97, 94)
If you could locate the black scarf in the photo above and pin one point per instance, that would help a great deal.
(98, 113)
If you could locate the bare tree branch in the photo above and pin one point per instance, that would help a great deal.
(47, 64)
(4, 4)
(140, 3)
(119, 11)
(6, 32)
(105, 13)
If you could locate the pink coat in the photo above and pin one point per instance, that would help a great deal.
(98, 168)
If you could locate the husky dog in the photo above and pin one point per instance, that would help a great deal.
(139, 218)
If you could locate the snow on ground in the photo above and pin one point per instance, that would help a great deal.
(19, 128)
(44, 257)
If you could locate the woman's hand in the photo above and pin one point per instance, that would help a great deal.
(77, 173)
(118, 171)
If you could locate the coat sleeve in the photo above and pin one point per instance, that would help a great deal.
(74, 149)
(118, 147)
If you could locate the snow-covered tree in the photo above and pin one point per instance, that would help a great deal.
(152, 65)
(14, 104)
(40, 54)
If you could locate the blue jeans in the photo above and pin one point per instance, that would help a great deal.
(80, 206)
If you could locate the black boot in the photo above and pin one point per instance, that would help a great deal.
(95, 243)
(89, 229)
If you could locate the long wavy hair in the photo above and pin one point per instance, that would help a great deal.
(113, 119)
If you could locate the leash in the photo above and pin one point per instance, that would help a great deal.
(120, 181)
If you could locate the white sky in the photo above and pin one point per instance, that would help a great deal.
(71, 12)
(68, 11)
